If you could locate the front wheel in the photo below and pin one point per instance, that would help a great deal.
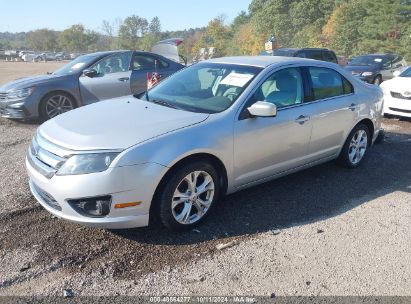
(55, 104)
(356, 147)
(189, 195)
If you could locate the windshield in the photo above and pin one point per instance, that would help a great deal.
(406, 73)
(368, 60)
(203, 87)
(76, 65)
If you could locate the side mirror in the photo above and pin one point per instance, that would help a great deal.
(90, 73)
(263, 109)
(397, 73)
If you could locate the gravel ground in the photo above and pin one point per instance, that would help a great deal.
(323, 231)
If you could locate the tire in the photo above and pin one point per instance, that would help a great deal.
(356, 147)
(54, 104)
(178, 205)
(377, 81)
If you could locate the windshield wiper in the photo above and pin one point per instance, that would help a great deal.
(164, 103)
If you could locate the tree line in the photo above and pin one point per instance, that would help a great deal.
(349, 27)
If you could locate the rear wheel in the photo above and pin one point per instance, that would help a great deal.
(356, 147)
(188, 197)
(55, 104)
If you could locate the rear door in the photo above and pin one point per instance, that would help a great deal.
(143, 64)
(112, 79)
(333, 109)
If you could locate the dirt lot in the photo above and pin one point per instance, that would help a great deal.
(323, 231)
(13, 70)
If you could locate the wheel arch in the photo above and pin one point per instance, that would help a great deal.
(212, 159)
(370, 125)
(77, 103)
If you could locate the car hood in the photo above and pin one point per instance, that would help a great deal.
(27, 82)
(398, 85)
(115, 124)
(361, 68)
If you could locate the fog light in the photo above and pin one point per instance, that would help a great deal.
(92, 207)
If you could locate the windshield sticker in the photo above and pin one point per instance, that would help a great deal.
(378, 60)
(237, 79)
(78, 66)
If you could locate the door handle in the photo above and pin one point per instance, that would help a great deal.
(124, 79)
(302, 119)
(353, 107)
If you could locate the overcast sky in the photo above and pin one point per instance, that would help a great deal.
(26, 15)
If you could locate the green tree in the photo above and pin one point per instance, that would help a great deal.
(78, 39)
(153, 35)
(42, 40)
(131, 32)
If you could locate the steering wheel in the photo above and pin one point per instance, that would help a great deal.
(231, 94)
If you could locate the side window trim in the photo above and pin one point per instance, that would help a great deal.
(311, 98)
(155, 58)
(110, 56)
(242, 114)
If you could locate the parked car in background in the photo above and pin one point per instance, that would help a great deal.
(375, 68)
(173, 153)
(397, 94)
(30, 56)
(48, 56)
(62, 56)
(87, 79)
(312, 53)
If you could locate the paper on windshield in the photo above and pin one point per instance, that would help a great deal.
(77, 66)
(378, 60)
(237, 79)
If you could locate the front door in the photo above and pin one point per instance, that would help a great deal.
(266, 146)
(112, 79)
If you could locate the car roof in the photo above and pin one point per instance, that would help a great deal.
(260, 61)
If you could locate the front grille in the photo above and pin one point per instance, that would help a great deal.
(399, 96)
(45, 157)
(400, 110)
(46, 198)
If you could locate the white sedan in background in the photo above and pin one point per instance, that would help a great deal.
(397, 94)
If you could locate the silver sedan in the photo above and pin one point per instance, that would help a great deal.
(209, 130)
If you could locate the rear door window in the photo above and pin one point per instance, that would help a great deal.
(329, 56)
(147, 63)
(327, 83)
(312, 54)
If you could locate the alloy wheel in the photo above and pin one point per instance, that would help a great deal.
(193, 197)
(58, 104)
(358, 146)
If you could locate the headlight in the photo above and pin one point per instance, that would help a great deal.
(19, 94)
(87, 163)
(367, 74)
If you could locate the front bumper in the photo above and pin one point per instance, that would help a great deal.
(14, 111)
(123, 184)
(396, 106)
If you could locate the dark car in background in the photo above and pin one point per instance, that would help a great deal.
(85, 80)
(375, 68)
(311, 53)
